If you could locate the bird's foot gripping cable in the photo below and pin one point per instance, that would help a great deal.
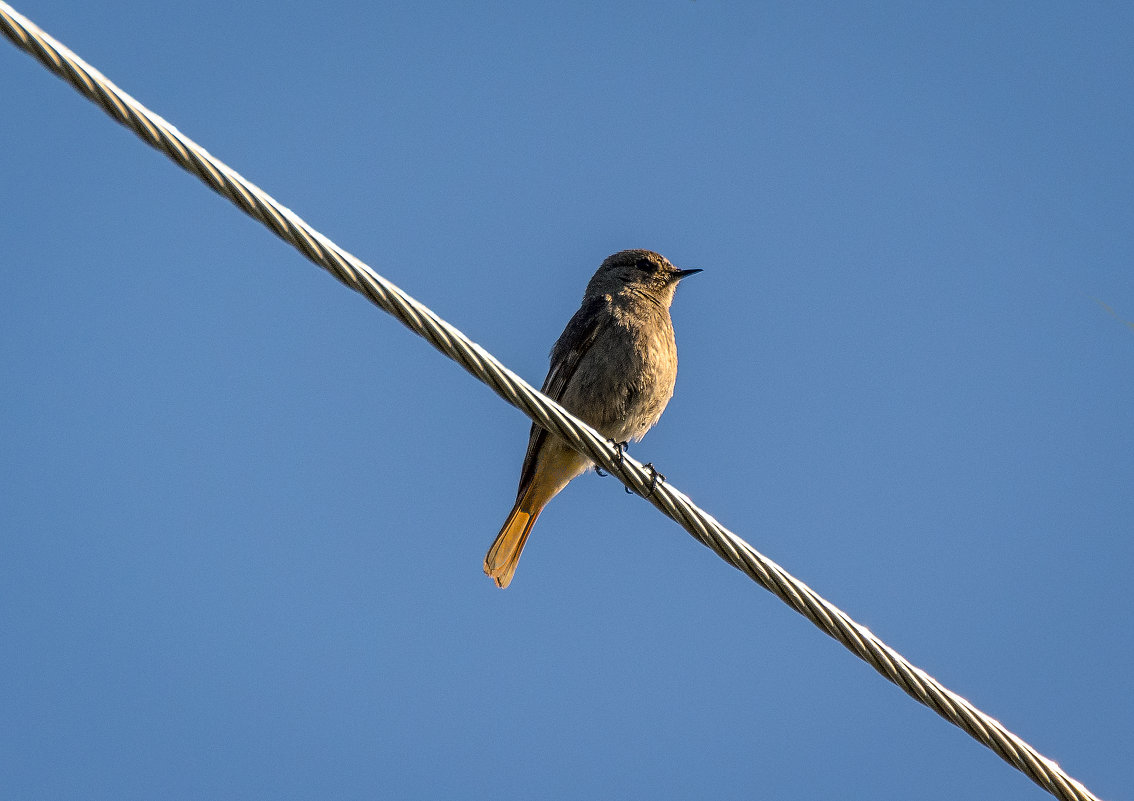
(621, 448)
(655, 479)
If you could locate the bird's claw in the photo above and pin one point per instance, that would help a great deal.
(620, 448)
(655, 479)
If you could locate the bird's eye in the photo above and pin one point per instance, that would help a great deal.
(646, 265)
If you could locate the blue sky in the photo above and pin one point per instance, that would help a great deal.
(244, 512)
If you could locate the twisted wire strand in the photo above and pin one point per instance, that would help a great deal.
(352, 272)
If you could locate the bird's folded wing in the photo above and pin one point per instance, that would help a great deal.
(577, 339)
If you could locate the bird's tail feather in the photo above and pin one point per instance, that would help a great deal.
(500, 562)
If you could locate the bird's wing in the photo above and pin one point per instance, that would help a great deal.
(570, 349)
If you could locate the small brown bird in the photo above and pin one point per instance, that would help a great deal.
(613, 367)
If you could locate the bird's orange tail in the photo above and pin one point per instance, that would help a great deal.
(500, 562)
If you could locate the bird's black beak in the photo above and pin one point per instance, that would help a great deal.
(686, 273)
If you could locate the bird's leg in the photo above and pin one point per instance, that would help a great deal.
(655, 478)
(621, 448)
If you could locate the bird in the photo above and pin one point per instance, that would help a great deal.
(614, 367)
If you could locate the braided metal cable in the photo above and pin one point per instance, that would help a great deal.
(158, 133)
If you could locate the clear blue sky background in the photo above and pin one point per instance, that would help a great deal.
(243, 512)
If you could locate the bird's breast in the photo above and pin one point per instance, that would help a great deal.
(627, 377)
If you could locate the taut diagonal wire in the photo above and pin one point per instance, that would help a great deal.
(158, 133)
